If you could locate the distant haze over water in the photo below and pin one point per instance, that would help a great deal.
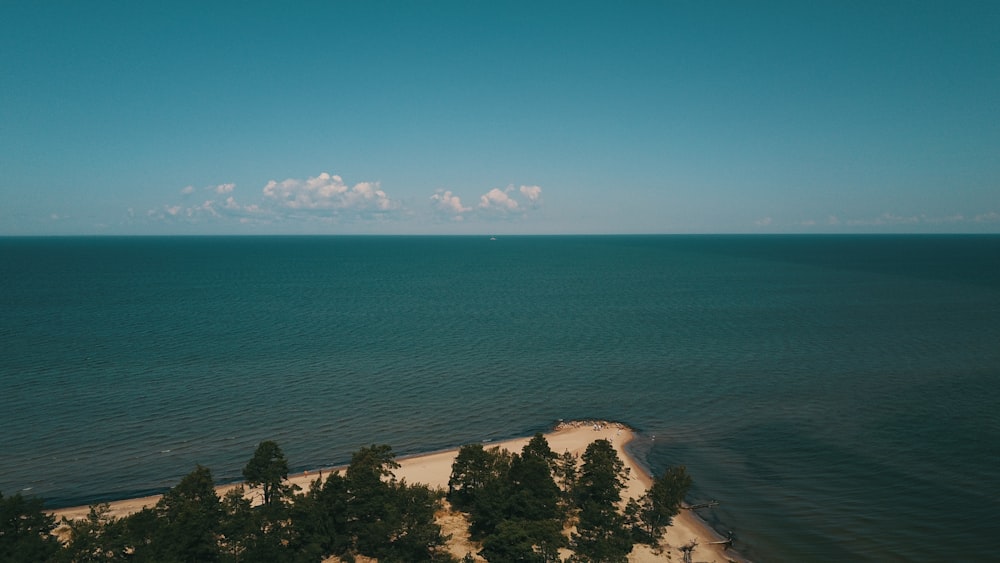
(838, 395)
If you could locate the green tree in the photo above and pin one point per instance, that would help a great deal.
(480, 485)
(98, 537)
(513, 542)
(475, 468)
(368, 497)
(26, 530)
(369, 466)
(255, 534)
(657, 508)
(268, 469)
(512, 500)
(603, 475)
(187, 522)
(602, 534)
(565, 472)
(137, 531)
(389, 520)
(238, 526)
(538, 447)
(320, 519)
(533, 506)
(534, 494)
(415, 535)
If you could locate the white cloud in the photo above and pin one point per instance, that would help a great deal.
(328, 192)
(991, 217)
(763, 222)
(328, 198)
(533, 193)
(497, 203)
(450, 204)
(209, 207)
(498, 200)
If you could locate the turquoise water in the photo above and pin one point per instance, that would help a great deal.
(837, 395)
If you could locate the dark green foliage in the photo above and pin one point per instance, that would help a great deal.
(386, 519)
(26, 530)
(369, 466)
(98, 537)
(238, 528)
(538, 447)
(476, 469)
(514, 501)
(368, 497)
(183, 526)
(188, 521)
(320, 519)
(534, 494)
(480, 484)
(523, 540)
(415, 535)
(512, 542)
(548, 537)
(602, 477)
(268, 469)
(602, 533)
(254, 534)
(263, 533)
(661, 503)
(565, 472)
(138, 530)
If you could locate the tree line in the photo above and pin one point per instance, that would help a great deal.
(519, 506)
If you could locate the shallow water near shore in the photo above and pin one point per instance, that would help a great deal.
(837, 395)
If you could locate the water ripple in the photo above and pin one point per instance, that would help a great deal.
(833, 403)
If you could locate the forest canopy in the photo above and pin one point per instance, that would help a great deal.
(534, 505)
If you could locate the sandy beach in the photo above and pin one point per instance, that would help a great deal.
(434, 469)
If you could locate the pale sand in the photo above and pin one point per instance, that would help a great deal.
(434, 469)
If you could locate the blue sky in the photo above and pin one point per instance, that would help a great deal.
(435, 117)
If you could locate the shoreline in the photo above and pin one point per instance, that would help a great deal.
(434, 469)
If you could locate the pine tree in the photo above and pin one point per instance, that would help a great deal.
(268, 469)
(602, 534)
(185, 522)
(26, 530)
(662, 502)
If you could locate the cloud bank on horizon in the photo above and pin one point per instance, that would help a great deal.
(327, 198)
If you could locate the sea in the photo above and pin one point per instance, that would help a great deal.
(839, 396)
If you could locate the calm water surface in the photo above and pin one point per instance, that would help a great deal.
(838, 395)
